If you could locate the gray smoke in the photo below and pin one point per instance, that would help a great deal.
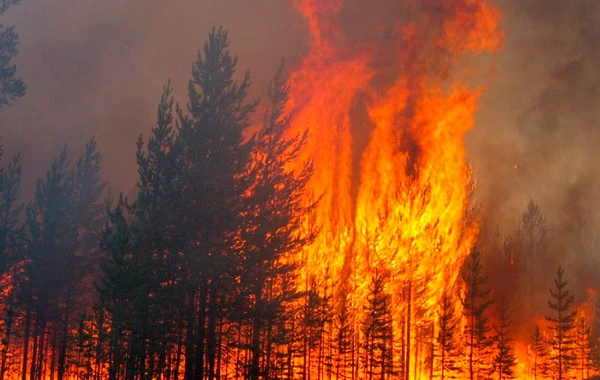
(540, 115)
(97, 68)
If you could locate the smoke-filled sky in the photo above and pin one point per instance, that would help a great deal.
(96, 68)
(540, 113)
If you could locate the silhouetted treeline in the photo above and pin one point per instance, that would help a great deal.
(200, 274)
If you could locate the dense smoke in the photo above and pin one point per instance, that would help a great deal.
(97, 68)
(536, 137)
(536, 132)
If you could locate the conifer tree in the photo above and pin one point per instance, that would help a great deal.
(583, 348)
(86, 219)
(147, 245)
(533, 240)
(49, 235)
(159, 234)
(117, 284)
(10, 243)
(120, 287)
(475, 304)
(273, 218)
(540, 353)
(12, 87)
(505, 359)
(561, 323)
(213, 158)
(343, 338)
(62, 229)
(312, 325)
(378, 331)
(447, 337)
(82, 360)
(10, 211)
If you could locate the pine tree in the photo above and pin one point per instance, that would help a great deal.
(121, 289)
(10, 243)
(273, 219)
(343, 339)
(475, 304)
(531, 251)
(86, 217)
(11, 86)
(378, 331)
(100, 326)
(447, 337)
(159, 235)
(61, 234)
(49, 236)
(213, 158)
(561, 324)
(82, 360)
(147, 244)
(540, 353)
(312, 324)
(10, 211)
(582, 348)
(505, 359)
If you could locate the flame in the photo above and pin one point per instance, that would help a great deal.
(396, 200)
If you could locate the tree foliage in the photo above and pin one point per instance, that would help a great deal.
(562, 323)
(476, 302)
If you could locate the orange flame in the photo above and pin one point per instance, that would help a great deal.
(389, 160)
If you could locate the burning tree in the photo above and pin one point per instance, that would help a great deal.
(561, 324)
(271, 234)
(213, 158)
(344, 363)
(447, 338)
(63, 226)
(504, 360)
(379, 358)
(389, 198)
(475, 305)
(10, 241)
(540, 353)
(583, 348)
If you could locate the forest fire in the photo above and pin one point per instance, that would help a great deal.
(330, 232)
(397, 207)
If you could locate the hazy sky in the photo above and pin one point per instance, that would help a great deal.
(96, 68)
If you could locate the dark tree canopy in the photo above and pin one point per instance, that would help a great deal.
(562, 323)
(12, 86)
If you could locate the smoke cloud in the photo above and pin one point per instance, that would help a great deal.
(536, 134)
(97, 68)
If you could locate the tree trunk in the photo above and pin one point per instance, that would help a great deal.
(211, 336)
(34, 351)
(471, 342)
(8, 322)
(256, 330)
(64, 341)
(201, 334)
(190, 352)
(26, 343)
(41, 349)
